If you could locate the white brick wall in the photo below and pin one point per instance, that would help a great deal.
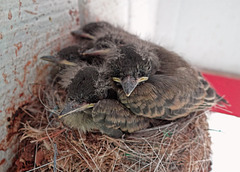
(28, 30)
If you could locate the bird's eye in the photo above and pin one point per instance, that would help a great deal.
(148, 65)
(141, 73)
(70, 99)
(116, 79)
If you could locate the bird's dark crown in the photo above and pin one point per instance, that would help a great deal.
(130, 62)
(69, 53)
(108, 41)
(83, 86)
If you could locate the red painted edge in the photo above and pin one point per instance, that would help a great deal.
(229, 88)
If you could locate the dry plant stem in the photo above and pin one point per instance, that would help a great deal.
(47, 164)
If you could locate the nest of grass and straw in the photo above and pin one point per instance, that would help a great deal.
(47, 145)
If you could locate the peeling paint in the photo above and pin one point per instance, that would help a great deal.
(14, 90)
(9, 15)
(73, 13)
(4, 75)
(30, 12)
(42, 72)
(18, 46)
(35, 58)
(21, 83)
(15, 71)
(19, 8)
(12, 128)
(2, 161)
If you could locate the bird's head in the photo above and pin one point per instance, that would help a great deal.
(67, 56)
(83, 92)
(130, 67)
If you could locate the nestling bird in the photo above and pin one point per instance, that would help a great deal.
(103, 36)
(92, 104)
(67, 56)
(96, 30)
(68, 60)
(72, 56)
(167, 90)
(153, 82)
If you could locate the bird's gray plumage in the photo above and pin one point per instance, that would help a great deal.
(130, 81)
(107, 114)
(173, 89)
(88, 84)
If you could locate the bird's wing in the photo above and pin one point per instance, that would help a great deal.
(84, 122)
(169, 97)
(211, 94)
(90, 30)
(69, 56)
(113, 114)
(80, 120)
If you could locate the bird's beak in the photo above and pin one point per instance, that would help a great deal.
(72, 107)
(56, 60)
(49, 58)
(129, 84)
(81, 34)
(93, 52)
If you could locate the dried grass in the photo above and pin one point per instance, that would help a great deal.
(46, 145)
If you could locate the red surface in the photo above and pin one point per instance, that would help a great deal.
(230, 89)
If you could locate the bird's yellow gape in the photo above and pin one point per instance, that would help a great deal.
(116, 79)
(142, 79)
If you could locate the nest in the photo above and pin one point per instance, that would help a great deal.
(47, 145)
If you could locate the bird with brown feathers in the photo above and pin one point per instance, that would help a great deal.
(150, 80)
(118, 83)
(91, 101)
(91, 104)
(175, 89)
